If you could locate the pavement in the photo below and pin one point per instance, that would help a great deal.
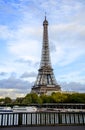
(45, 128)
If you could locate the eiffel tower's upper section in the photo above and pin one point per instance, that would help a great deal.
(45, 59)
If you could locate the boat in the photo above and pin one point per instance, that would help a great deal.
(24, 109)
(5, 109)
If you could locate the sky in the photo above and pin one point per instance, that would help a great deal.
(21, 37)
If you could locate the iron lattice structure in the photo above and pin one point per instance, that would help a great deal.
(45, 80)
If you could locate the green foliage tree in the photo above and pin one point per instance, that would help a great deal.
(27, 99)
(18, 101)
(59, 97)
(31, 98)
(35, 98)
(77, 98)
(7, 101)
(45, 98)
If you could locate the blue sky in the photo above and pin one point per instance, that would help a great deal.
(21, 35)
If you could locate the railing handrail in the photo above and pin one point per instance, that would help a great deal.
(66, 112)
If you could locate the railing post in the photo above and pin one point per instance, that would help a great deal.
(50, 118)
(36, 118)
(40, 119)
(82, 118)
(20, 119)
(78, 118)
(65, 119)
(74, 118)
(45, 118)
(7, 119)
(31, 118)
(60, 118)
(2, 120)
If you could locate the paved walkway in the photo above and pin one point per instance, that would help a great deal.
(46, 128)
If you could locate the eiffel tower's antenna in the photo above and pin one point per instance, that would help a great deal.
(45, 15)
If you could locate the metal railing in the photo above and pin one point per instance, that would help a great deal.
(42, 118)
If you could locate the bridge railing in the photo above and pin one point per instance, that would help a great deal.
(42, 118)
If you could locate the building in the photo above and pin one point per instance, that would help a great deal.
(45, 82)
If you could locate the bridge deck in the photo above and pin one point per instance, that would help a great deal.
(46, 128)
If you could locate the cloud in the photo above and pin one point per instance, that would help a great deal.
(73, 86)
(73, 28)
(69, 44)
(74, 76)
(5, 32)
(28, 62)
(14, 83)
(14, 87)
(3, 73)
(28, 47)
(28, 75)
(13, 93)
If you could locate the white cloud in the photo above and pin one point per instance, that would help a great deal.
(14, 87)
(3, 73)
(25, 49)
(68, 41)
(27, 75)
(26, 43)
(5, 32)
(74, 76)
(12, 93)
(73, 86)
(13, 82)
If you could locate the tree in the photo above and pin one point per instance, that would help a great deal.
(77, 98)
(1, 101)
(7, 101)
(45, 98)
(59, 97)
(35, 98)
(31, 98)
(27, 99)
(18, 101)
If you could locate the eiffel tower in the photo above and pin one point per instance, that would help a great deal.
(45, 82)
